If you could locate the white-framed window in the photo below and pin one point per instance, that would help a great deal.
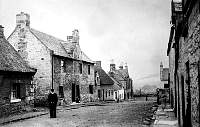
(63, 67)
(15, 92)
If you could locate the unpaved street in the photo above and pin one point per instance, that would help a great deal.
(101, 115)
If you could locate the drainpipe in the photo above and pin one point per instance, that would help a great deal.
(51, 53)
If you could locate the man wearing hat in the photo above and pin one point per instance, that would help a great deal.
(52, 99)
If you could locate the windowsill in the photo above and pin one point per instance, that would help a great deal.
(15, 100)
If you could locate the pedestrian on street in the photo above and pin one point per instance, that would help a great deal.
(52, 99)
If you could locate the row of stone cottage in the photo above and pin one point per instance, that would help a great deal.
(184, 61)
(47, 62)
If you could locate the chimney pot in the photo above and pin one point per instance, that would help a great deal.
(98, 63)
(23, 19)
(120, 67)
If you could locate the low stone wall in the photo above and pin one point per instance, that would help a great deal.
(11, 108)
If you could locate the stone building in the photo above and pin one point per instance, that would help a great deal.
(122, 76)
(60, 64)
(185, 40)
(108, 88)
(15, 79)
(171, 55)
(164, 72)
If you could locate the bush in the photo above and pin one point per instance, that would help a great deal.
(41, 101)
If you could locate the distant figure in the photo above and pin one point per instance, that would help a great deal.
(52, 99)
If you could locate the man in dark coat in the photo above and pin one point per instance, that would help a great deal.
(52, 99)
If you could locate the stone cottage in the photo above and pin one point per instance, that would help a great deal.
(122, 75)
(107, 87)
(15, 79)
(60, 64)
(185, 38)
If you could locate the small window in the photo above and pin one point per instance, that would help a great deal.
(91, 89)
(106, 93)
(42, 58)
(109, 93)
(88, 69)
(62, 64)
(80, 68)
(15, 92)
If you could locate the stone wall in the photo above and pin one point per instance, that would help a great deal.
(6, 106)
(171, 76)
(85, 80)
(63, 78)
(37, 56)
(190, 52)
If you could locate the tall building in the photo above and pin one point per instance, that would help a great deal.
(61, 65)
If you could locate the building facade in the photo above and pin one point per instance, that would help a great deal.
(122, 76)
(186, 37)
(105, 85)
(60, 64)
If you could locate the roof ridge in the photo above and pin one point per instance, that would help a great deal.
(50, 42)
(47, 34)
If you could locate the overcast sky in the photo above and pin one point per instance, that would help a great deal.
(135, 32)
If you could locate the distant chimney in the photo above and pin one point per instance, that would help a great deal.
(112, 67)
(22, 20)
(1, 31)
(121, 67)
(75, 34)
(69, 38)
(126, 66)
(98, 63)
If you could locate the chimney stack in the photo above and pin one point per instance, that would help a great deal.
(121, 66)
(98, 63)
(126, 66)
(75, 35)
(1, 31)
(23, 20)
(112, 67)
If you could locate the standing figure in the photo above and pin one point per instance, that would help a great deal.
(52, 99)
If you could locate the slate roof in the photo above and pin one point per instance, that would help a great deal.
(118, 75)
(60, 47)
(51, 42)
(104, 78)
(117, 85)
(124, 73)
(165, 74)
(10, 60)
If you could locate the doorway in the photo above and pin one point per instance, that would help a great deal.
(188, 109)
(73, 92)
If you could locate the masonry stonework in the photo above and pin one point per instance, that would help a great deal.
(190, 52)
(37, 57)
